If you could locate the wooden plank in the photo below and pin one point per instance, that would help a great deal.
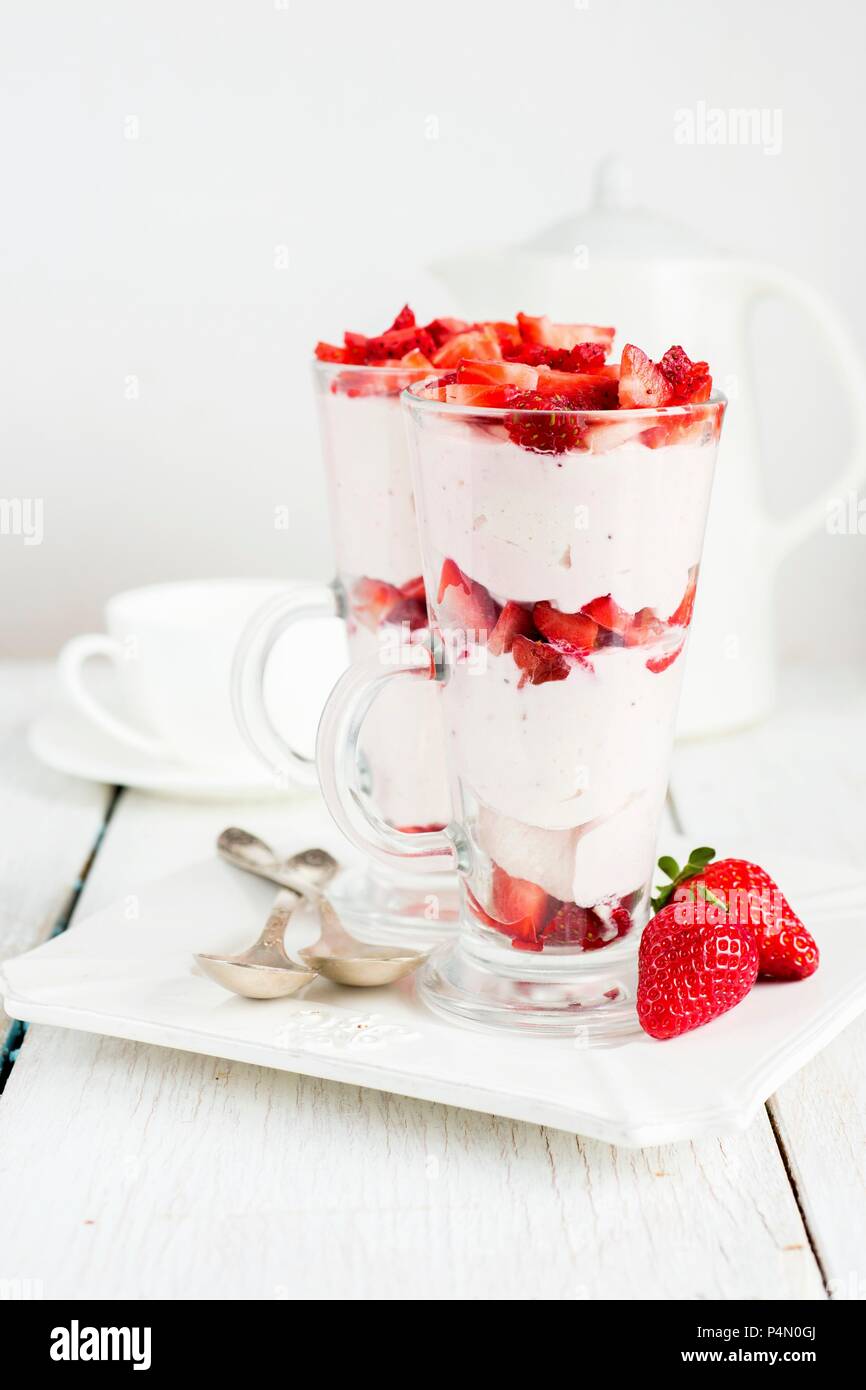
(189, 1177)
(48, 822)
(801, 781)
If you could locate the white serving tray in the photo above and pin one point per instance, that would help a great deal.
(137, 979)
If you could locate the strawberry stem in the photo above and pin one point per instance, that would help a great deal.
(697, 862)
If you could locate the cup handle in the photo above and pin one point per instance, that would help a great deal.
(338, 764)
(70, 665)
(248, 675)
(786, 534)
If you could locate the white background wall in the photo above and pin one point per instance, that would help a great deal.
(195, 190)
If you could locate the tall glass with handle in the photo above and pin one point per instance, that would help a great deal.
(379, 594)
(561, 552)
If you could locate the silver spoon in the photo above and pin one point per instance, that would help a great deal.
(264, 971)
(336, 955)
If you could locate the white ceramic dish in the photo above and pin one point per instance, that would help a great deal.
(137, 980)
(66, 740)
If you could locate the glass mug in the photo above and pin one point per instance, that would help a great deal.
(379, 593)
(560, 552)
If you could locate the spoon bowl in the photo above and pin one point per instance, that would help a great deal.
(255, 981)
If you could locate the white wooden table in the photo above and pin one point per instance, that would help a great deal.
(135, 1172)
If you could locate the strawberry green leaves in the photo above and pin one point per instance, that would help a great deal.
(697, 862)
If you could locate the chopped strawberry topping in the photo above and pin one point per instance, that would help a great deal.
(547, 432)
(538, 662)
(675, 380)
(583, 357)
(575, 631)
(413, 588)
(513, 621)
(498, 373)
(641, 382)
(562, 335)
(689, 381)
(490, 396)
(411, 611)
(372, 600)
(608, 615)
(478, 344)
(464, 604)
(582, 391)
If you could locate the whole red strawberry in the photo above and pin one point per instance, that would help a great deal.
(690, 971)
(787, 949)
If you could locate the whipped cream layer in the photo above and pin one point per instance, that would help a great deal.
(370, 484)
(567, 528)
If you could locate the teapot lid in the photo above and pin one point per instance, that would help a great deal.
(616, 228)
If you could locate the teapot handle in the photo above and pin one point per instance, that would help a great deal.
(786, 535)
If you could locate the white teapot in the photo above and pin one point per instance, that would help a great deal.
(617, 265)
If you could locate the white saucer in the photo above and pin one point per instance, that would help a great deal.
(138, 980)
(65, 739)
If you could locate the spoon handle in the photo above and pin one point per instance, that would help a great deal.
(275, 927)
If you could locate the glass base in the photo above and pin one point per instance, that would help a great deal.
(419, 910)
(587, 998)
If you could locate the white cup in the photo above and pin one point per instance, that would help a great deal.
(172, 647)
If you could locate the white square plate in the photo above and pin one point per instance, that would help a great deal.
(137, 979)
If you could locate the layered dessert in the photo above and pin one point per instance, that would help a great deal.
(378, 554)
(562, 514)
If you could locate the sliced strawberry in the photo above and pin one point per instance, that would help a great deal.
(661, 663)
(479, 345)
(415, 358)
(682, 614)
(507, 333)
(641, 382)
(583, 357)
(552, 428)
(519, 905)
(465, 605)
(329, 352)
(577, 926)
(644, 628)
(498, 374)
(414, 588)
(562, 335)
(372, 600)
(689, 381)
(491, 397)
(405, 319)
(441, 330)
(513, 621)
(538, 662)
(411, 611)
(582, 391)
(573, 630)
(608, 615)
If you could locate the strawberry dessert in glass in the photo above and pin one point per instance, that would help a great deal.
(379, 592)
(561, 502)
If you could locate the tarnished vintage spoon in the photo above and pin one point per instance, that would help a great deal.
(336, 955)
(264, 971)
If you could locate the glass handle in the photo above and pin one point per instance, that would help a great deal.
(337, 758)
(248, 675)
